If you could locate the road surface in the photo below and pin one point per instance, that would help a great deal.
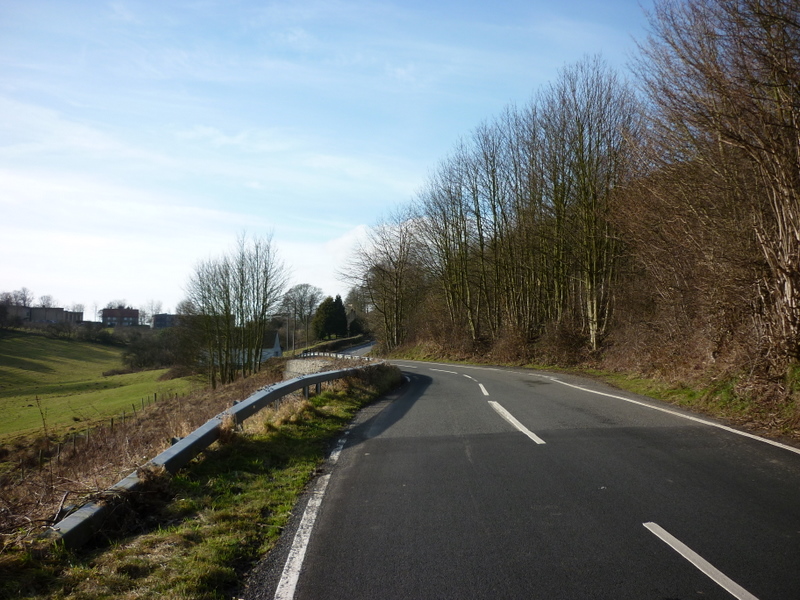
(475, 482)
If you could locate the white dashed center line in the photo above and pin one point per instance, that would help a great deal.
(511, 419)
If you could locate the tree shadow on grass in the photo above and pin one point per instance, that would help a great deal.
(32, 352)
(24, 364)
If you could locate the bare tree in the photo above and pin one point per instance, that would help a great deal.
(602, 119)
(209, 309)
(261, 278)
(724, 78)
(148, 310)
(386, 267)
(231, 299)
(515, 226)
(301, 301)
(446, 234)
(47, 301)
(23, 297)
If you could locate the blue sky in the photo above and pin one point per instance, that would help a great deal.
(138, 138)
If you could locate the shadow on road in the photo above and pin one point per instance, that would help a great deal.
(385, 413)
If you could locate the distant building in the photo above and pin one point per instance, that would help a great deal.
(275, 351)
(72, 316)
(119, 317)
(23, 313)
(163, 321)
(41, 314)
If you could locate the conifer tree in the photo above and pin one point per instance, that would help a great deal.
(322, 319)
(339, 318)
(330, 319)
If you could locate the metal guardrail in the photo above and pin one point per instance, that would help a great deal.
(335, 355)
(77, 528)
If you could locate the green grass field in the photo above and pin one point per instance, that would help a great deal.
(67, 378)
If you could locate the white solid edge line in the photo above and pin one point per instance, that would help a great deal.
(334, 457)
(297, 553)
(511, 419)
(483, 389)
(677, 414)
(717, 576)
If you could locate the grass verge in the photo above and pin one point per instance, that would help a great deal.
(202, 530)
(774, 416)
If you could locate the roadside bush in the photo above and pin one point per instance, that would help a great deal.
(150, 350)
(171, 347)
(61, 330)
(561, 344)
(511, 347)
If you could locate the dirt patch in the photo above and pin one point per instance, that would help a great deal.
(307, 366)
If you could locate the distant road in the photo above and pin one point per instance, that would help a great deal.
(360, 350)
(498, 483)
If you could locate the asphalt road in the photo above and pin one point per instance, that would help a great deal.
(496, 483)
(361, 350)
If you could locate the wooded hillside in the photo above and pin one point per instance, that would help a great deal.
(648, 221)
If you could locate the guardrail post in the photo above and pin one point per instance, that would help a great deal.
(319, 389)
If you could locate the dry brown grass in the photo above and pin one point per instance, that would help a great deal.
(32, 499)
(289, 410)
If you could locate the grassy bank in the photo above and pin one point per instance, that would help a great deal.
(775, 416)
(201, 531)
(60, 384)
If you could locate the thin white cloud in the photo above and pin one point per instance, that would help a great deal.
(29, 128)
(260, 141)
(319, 262)
(284, 162)
(121, 11)
(83, 240)
(574, 33)
(98, 241)
(297, 38)
(81, 203)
